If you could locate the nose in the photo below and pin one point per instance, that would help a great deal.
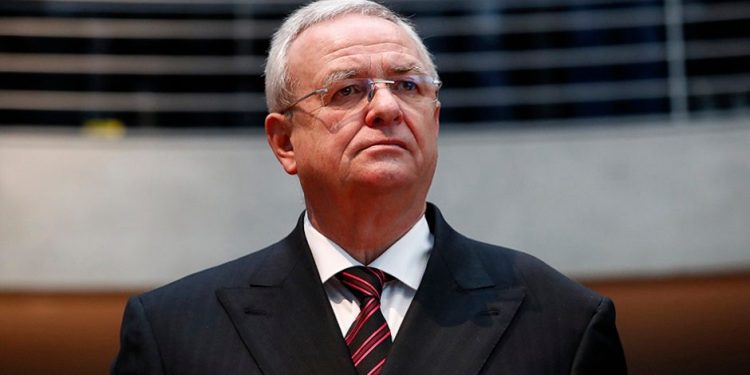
(383, 108)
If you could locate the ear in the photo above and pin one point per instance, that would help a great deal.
(279, 134)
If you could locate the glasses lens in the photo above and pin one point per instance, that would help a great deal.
(411, 88)
(350, 93)
(347, 93)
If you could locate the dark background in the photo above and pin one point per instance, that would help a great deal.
(198, 64)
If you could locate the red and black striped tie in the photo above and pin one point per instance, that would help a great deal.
(369, 338)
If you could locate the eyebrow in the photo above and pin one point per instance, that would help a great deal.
(339, 75)
(407, 68)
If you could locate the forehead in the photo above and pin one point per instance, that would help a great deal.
(365, 45)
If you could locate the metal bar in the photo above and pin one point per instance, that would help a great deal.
(678, 90)
(118, 64)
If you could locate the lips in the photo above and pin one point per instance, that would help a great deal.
(390, 142)
(385, 142)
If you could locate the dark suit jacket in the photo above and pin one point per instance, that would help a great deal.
(480, 309)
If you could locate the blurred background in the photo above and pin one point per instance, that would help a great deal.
(610, 138)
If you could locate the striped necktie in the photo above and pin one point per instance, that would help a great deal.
(369, 338)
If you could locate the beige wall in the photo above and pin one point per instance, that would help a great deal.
(647, 199)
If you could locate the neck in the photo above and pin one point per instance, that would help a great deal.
(365, 229)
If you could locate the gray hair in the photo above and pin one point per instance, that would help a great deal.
(279, 85)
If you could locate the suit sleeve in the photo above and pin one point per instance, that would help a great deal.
(600, 350)
(139, 353)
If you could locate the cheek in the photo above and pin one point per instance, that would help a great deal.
(317, 149)
(305, 149)
(424, 128)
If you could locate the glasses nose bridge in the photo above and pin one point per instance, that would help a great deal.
(371, 86)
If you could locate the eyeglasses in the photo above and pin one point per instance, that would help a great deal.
(347, 94)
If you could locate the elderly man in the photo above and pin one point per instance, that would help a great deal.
(372, 280)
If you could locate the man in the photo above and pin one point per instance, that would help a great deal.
(352, 95)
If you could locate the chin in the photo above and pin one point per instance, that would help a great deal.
(388, 179)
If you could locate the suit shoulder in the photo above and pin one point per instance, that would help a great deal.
(507, 267)
(535, 275)
(234, 273)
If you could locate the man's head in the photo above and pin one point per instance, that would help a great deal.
(279, 85)
(352, 93)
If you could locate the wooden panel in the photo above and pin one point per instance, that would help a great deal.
(686, 325)
(59, 333)
(682, 325)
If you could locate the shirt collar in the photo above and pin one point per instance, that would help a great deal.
(406, 259)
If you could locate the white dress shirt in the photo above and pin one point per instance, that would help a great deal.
(405, 260)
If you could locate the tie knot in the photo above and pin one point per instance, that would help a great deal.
(364, 282)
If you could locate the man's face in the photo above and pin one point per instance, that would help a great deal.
(384, 144)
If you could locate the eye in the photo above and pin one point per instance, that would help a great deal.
(405, 85)
(348, 90)
(345, 92)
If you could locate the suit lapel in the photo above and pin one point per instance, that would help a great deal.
(458, 314)
(454, 322)
(284, 317)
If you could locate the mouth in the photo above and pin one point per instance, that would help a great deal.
(385, 143)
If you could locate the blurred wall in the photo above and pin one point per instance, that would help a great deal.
(90, 213)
